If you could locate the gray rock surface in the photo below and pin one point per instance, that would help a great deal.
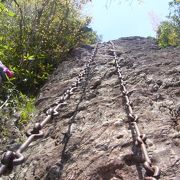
(101, 146)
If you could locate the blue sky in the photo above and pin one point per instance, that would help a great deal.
(113, 19)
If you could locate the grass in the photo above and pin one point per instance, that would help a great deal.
(17, 112)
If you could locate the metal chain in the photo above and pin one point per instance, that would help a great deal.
(10, 158)
(152, 171)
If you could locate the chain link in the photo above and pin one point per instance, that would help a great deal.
(10, 158)
(152, 171)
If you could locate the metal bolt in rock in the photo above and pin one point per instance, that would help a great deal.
(152, 171)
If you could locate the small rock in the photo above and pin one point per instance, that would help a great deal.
(105, 124)
(177, 92)
(167, 142)
(120, 136)
(149, 81)
(96, 84)
(158, 97)
(13, 147)
(53, 173)
(149, 142)
(73, 128)
(36, 178)
(102, 147)
(175, 135)
(114, 178)
(159, 82)
(112, 63)
(177, 127)
(154, 88)
(176, 142)
(143, 75)
(111, 74)
(91, 96)
(118, 123)
(50, 132)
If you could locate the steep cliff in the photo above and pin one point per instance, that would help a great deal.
(91, 138)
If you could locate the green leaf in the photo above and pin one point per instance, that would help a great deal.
(10, 13)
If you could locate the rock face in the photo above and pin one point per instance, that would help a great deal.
(101, 146)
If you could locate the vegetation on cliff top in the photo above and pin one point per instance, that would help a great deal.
(36, 35)
(168, 33)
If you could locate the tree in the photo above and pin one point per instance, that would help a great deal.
(39, 35)
(168, 33)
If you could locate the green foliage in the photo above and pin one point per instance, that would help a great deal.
(38, 36)
(35, 36)
(26, 107)
(5, 10)
(16, 109)
(4, 132)
(168, 33)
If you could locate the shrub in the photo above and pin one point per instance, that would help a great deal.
(38, 36)
(168, 33)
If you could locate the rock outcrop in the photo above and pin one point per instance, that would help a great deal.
(101, 146)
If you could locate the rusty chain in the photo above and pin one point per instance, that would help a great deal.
(152, 171)
(10, 158)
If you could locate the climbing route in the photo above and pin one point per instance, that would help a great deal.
(91, 130)
(152, 172)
